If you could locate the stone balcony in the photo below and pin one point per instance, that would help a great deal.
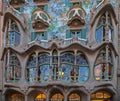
(59, 43)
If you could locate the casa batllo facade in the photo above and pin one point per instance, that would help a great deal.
(59, 50)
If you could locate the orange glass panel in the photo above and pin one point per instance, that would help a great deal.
(41, 96)
(57, 96)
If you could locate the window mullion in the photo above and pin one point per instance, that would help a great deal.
(37, 67)
(107, 61)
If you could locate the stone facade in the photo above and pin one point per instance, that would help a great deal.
(37, 65)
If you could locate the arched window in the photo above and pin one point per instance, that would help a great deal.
(38, 67)
(40, 97)
(13, 68)
(13, 34)
(66, 72)
(44, 67)
(57, 97)
(13, 95)
(74, 97)
(104, 28)
(101, 96)
(32, 71)
(17, 97)
(82, 70)
(103, 65)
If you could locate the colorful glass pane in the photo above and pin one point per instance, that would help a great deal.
(68, 58)
(13, 71)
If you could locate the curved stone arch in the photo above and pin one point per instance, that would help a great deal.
(100, 65)
(28, 57)
(102, 48)
(54, 52)
(13, 52)
(46, 53)
(109, 89)
(76, 46)
(34, 89)
(8, 15)
(27, 60)
(53, 46)
(98, 49)
(34, 47)
(34, 92)
(107, 7)
(57, 89)
(96, 17)
(14, 89)
(65, 52)
(83, 90)
(16, 72)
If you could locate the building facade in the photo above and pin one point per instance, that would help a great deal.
(59, 50)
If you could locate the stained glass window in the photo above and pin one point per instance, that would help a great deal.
(14, 37)
(101, 96)
(67, 58)
(57, 97)
(17, 97)
(38, 68)
(101, 32)
(67, 61)
(82, 67)
(71, 72)
(74, 97)
(40, 97)
(44, 66)
(13, 70)
(31, 68)
(103, 65)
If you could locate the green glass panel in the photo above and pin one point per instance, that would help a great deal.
(68, 34)
(83, 34)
